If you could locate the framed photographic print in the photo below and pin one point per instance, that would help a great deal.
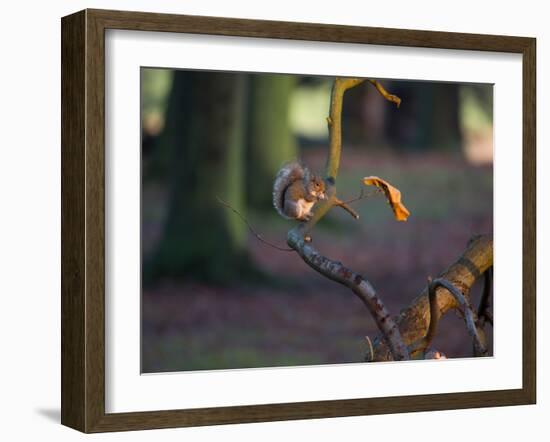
(267, 220)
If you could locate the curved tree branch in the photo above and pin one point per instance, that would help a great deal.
(299, 239)
(413, 321)
(423, 344)
(469, 315)
(393, 98)
(449, 291)
(336, 271)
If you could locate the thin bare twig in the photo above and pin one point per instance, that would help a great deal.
(370, 356)
(347, 208)
(363, 195)
(256, 234)
(390, 97)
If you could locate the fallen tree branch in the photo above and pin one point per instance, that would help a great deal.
(469, 315)
(337, 272)
(448, 291)
(299, 237)
(413, 321)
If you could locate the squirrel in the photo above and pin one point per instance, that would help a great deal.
(296, 190)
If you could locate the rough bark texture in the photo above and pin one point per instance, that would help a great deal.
(413, 321)
(337, 272)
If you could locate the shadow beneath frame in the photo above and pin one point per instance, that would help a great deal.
(51, 414)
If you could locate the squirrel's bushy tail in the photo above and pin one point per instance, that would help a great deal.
(289, 173)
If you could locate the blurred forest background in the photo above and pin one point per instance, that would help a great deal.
(214, 297)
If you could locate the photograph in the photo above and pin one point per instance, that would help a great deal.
(297, 220)
(270, 220)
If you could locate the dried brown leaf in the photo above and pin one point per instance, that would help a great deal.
(393, 195)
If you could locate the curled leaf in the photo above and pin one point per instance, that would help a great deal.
(393, 196)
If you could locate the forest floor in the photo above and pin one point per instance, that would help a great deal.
(306, 319)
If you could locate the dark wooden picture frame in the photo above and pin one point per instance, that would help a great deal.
(83, 220)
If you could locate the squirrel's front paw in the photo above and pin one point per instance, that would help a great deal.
(307, 216)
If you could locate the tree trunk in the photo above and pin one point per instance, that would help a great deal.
(428, 117)
(201, 238)
(158, 166)
(445, 117)
(270, 140)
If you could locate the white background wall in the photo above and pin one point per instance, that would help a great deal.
(30, 216)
